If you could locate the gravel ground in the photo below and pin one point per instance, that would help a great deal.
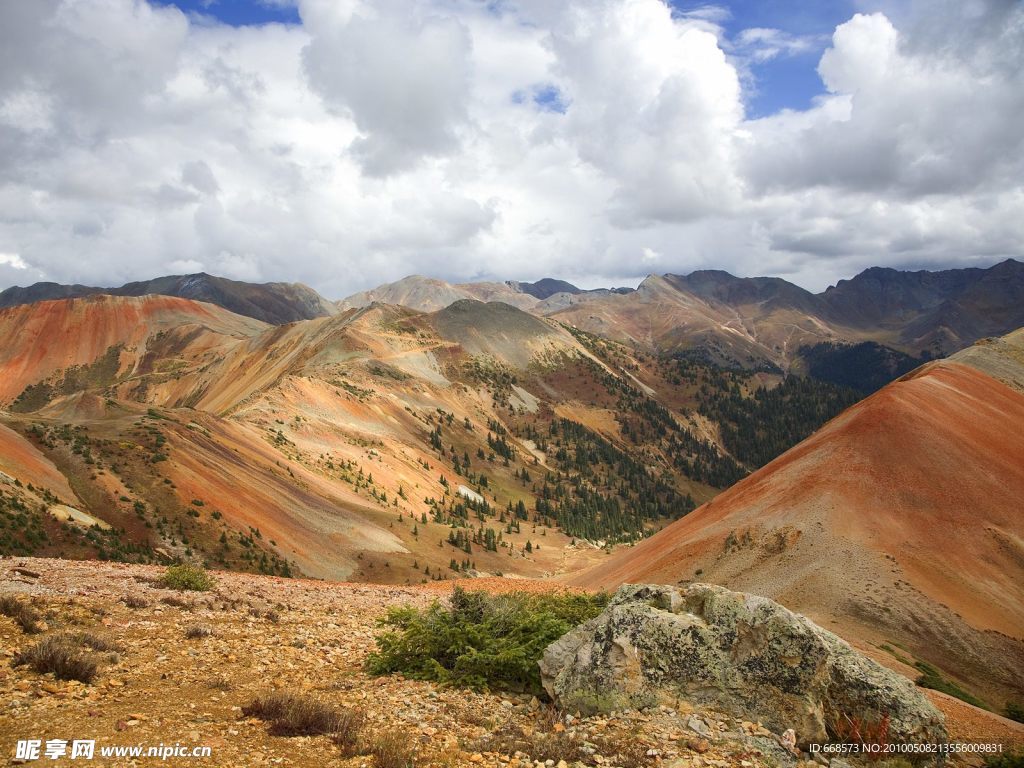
(312, 638)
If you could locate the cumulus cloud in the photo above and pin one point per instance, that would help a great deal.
(592, 139)
(400, 70)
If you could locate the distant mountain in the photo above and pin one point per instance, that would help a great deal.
(544, 288)
(274, 303)
(938, 312)
(427, 294)
(757, 321)
(753, 322)
(899, 521)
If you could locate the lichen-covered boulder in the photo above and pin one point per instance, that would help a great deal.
(738, 652)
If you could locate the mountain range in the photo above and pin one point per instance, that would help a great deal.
(275, 303)
(699, 427)
(760, 321)
(733, 321)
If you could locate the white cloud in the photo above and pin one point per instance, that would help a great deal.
(400, 70)
(13, 260)
(463, 139)
(765, 43)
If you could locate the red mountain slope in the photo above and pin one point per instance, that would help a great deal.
(50, 336)
(900, 520)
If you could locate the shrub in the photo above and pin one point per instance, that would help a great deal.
(197, 631)
(1006, 760)
(292, 714)
(269, 614)
(349, 735)
(95, 642)
(61, 656)
(481, 641)
(187, 577)
(24, 615)
(178, 602)
(931, 678)
(134, 601)
(1015, 711)
(392, 750)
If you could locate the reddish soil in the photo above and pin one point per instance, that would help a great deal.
(43, 338)
(899, 519)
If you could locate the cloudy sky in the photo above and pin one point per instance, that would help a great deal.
(345, 143)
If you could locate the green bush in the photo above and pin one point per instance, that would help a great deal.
(1015, 711)
(931, 678)
(481, 641)
(187, 577)
(1007, 760)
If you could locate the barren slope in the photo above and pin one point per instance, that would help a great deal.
(900, 520)
(305, 448)
(50, 336)
(426, 294)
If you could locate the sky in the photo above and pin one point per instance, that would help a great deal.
(348, 143)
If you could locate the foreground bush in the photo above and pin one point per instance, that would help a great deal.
(24, 615)
(62, 656)
(481, 641)
(292, 714)
(190, 578)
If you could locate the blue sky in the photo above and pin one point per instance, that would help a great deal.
(785, 81)
(239, 13)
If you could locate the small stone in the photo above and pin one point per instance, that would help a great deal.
(700, 746)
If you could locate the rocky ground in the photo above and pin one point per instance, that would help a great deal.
(312, 637)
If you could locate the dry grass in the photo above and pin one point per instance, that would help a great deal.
(268, 614)
(219, 683)
(177, 602)
(292, 714)
(198, 631)
(60, 656)
(24, 615)
(95, 642)
(856, 730)
(392, 750)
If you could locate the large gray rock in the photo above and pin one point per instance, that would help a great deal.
(740, 653)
